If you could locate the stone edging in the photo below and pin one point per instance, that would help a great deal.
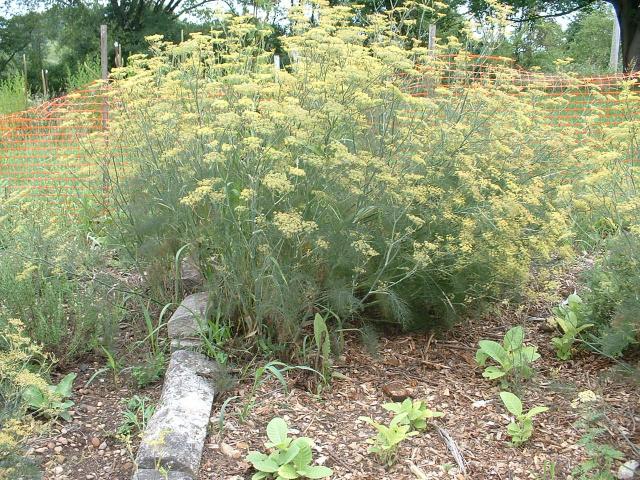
(172, 443)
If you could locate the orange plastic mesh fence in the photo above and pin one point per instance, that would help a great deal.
(49, 149)
(52, 149)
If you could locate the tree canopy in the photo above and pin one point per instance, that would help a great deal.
(62, 36)
(627, 13)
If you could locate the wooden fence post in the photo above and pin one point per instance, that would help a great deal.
(104, 63)
(432, 39)
(276, 66)
(45, 83)
(26, 80)
(118, 57)
(104, 66)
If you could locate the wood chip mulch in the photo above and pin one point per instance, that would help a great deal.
(88, 447)
(444, 374)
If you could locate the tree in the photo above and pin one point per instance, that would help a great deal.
(55, 40)
(589, 39)
(15, 36)
(59, 35)
(413, 17)
(627, 13)
(128, 19)
(538, 44)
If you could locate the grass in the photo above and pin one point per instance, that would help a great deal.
(12, 95)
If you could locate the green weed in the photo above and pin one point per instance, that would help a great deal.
(514, 359)
(521, 427)
(289, 458)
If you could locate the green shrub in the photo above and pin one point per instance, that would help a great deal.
(613, 294)
(329, 185)
(49, 279)
(605, 212)
(602, 199)
(83, 74)
(12, 94)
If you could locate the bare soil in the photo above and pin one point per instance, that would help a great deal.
(88, 447)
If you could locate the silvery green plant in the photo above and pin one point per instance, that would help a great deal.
(289, 458)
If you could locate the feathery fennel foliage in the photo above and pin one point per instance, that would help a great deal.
(327, 184)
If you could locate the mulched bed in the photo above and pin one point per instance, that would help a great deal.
(444, 374)
(441, 371)
(87, 447)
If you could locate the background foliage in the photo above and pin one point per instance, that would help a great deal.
(59, 36)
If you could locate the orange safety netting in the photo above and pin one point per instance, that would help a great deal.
(49, 148)
(602, 100)
(52, 149)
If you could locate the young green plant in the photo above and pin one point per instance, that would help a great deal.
(276, 370)
(521, 427)
(215, 337)
(113, 365)
(322, 343)
(289, 458)
(135, 417)
(513, 357)
(385, 444)
(416, 412)
(53, 402)
(601, 456)
(570, 320)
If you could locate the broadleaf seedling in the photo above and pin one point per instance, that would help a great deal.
(385, 444)
(290, 458)
(570, 319)
(513, 357)
(521, 427)
(417, 412)
(52, 402)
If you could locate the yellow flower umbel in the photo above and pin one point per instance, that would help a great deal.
(365, 175)
(291, 224)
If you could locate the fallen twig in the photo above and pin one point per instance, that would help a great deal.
(420, 475)
(453, 448)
